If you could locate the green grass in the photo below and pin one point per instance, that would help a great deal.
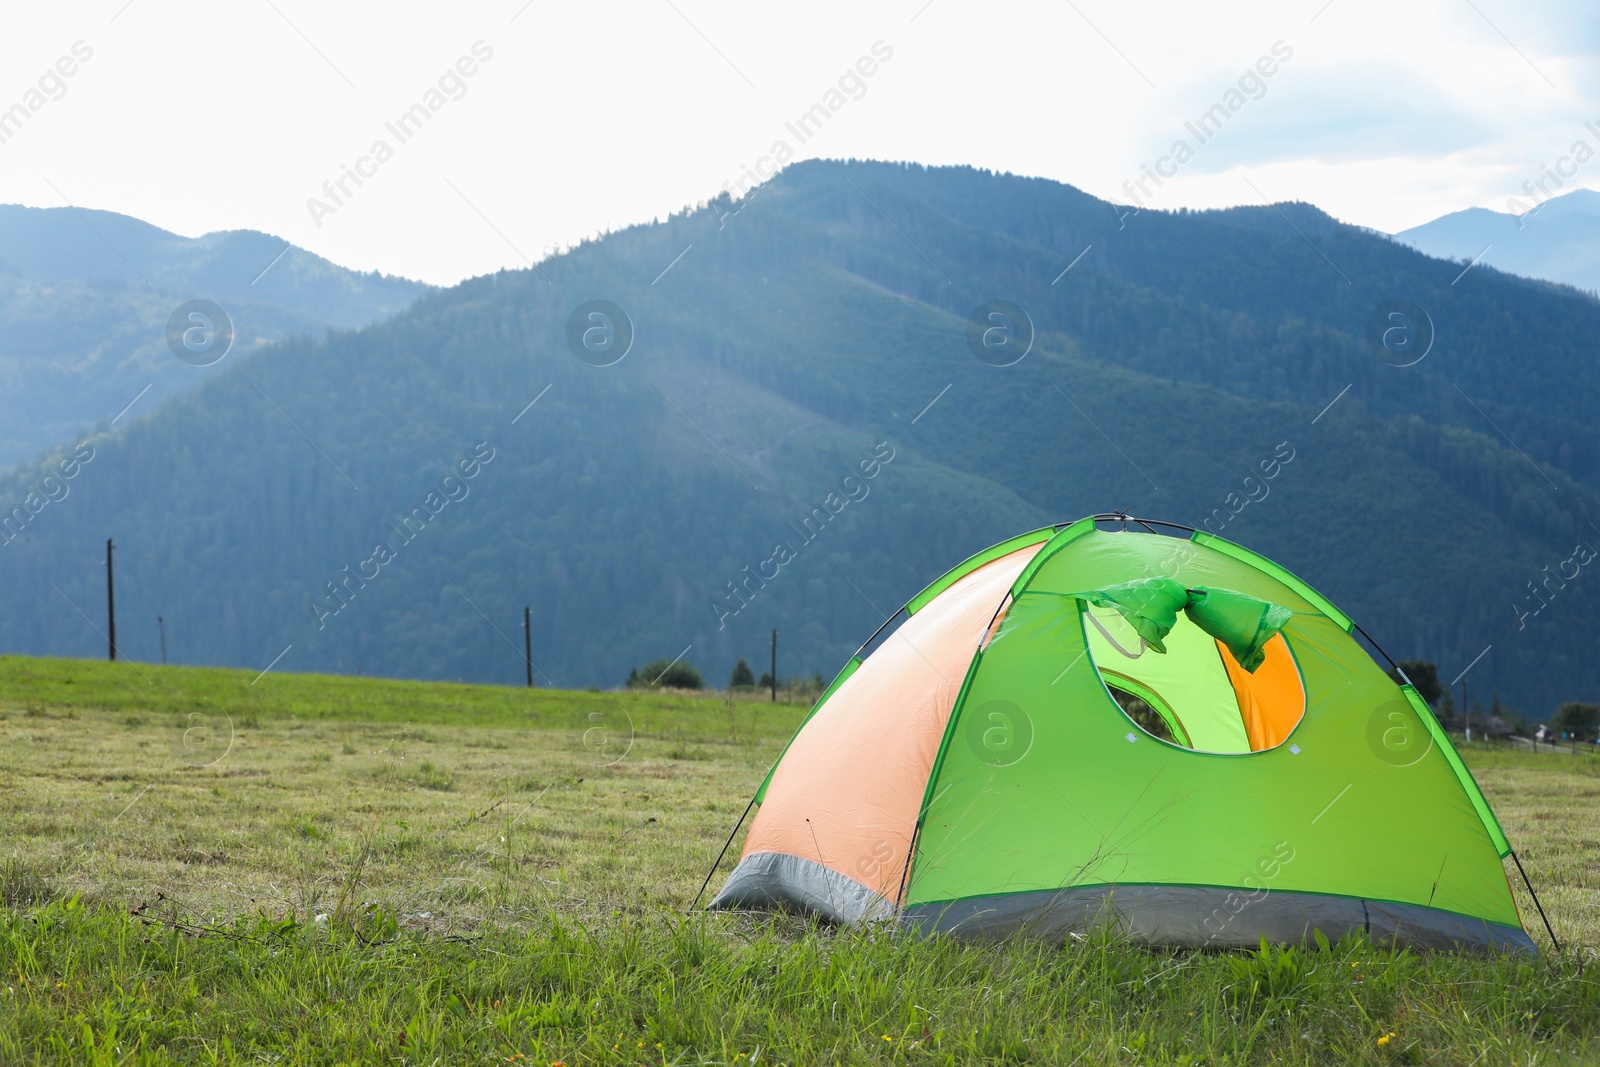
(140, 690)
(195, 869)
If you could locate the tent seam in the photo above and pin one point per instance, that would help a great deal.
(1066, 536)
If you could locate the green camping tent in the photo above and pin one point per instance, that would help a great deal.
(1101, 720)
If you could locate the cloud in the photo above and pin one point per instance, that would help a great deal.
(1356, 113)
(1390, 113)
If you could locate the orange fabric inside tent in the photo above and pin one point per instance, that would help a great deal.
(1272, 700)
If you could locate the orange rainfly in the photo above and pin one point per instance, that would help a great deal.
(863, 761)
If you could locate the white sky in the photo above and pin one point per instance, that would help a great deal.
(206, 116)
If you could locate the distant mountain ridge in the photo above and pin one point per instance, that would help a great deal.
(1558, 240)
(1174, 358)
(85, 297)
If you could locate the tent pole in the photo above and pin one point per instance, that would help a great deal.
(1547, 927)
(905, 873)
(725, 846)
(880, 630)
(1374, 644)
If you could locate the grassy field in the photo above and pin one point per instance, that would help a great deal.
(198, 868)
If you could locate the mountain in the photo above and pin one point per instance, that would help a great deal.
(1558, 241)
(800, 433)
(85, 299)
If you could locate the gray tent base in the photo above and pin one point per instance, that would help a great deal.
(1205, 917)
(1181, 916)
(773, 881)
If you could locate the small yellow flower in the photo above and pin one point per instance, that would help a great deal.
(1385, 1039)
(886, 1037)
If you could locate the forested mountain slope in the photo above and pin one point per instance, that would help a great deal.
(85, 297)
(784, 348)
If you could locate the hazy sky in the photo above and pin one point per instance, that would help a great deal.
(579, 117)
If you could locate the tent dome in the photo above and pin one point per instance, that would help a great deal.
(1102, 721)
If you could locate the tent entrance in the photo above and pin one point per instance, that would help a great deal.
(1195, 695)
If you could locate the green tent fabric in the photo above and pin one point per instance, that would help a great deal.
(1242, 622)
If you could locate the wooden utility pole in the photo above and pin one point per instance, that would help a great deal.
(774, 666)
(111, 602)
(527, 641)
(162, 626)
